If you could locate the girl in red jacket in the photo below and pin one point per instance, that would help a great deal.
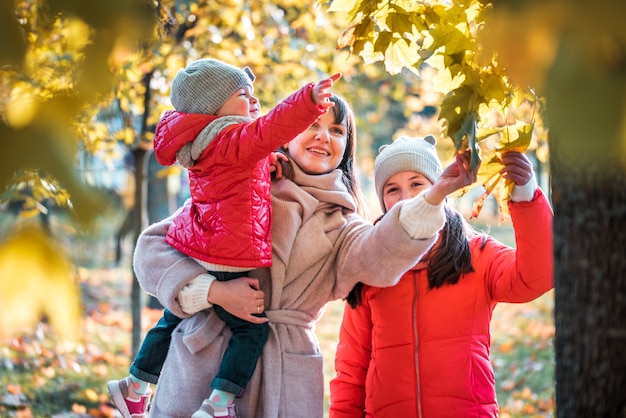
(421, 348)
(217, 134)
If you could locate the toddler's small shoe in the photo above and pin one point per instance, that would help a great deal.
(208, 409)
(129, 403)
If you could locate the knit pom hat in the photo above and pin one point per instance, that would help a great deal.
(205, 85)
(406, 154)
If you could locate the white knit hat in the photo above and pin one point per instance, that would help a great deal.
(406, 154)
(205, 85)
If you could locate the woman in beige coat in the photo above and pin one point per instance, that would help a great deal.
(321, 249)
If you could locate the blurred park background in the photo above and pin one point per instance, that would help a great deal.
(83, 84)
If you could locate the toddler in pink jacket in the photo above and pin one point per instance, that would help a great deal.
(217, 133)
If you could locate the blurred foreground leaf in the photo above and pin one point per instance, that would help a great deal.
(36, 280)
(61, 61)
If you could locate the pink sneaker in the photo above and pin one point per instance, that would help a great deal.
(129, 403)
(208, 409)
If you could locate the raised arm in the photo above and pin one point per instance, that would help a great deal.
(379, 255)
(525, 272)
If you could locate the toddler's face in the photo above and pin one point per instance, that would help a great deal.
(241, 103)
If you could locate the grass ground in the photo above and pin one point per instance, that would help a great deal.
(43, 377)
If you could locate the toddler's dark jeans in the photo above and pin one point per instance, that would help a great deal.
(151, 355)
(239, 361)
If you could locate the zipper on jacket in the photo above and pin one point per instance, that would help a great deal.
(415, 327)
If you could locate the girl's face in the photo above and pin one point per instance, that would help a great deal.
(320, 148)
(403, 185)
(241, 103)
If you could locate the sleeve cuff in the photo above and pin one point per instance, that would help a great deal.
(420, 219)
(194, 296)
(526, 192)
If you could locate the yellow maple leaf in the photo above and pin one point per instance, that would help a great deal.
(511, 138)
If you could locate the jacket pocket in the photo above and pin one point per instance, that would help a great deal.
(303, 386)
(186, 376)
(201, 330)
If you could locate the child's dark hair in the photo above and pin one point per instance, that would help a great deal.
(448, 259)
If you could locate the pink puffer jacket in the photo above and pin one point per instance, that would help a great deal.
(229, 222)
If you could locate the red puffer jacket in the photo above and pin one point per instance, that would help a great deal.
(408, 351)
(229, 222)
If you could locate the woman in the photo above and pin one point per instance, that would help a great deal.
(321, 249)
(421, 347)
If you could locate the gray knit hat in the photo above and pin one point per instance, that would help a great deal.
(406, 154)
(205, 85)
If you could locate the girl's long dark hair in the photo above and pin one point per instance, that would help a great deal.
(451, 258)
(343, 115)
(448, 259)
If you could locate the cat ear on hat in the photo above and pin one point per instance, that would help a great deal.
(395, 141)
(249, 73)
(430, 139)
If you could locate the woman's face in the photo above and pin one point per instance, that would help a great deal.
(403, 185)
(320, 148)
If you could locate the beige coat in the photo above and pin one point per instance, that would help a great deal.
(321, 249)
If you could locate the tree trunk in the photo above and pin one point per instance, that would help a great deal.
(139, 223)
(140, 155)
(586, 104)
(590, 294)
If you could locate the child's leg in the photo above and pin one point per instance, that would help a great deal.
(240, 359)
(131, 395)
(244, 348)
(153, 350)
(237, 366)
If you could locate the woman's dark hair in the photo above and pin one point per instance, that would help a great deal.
(343, 115)
(448, 259)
